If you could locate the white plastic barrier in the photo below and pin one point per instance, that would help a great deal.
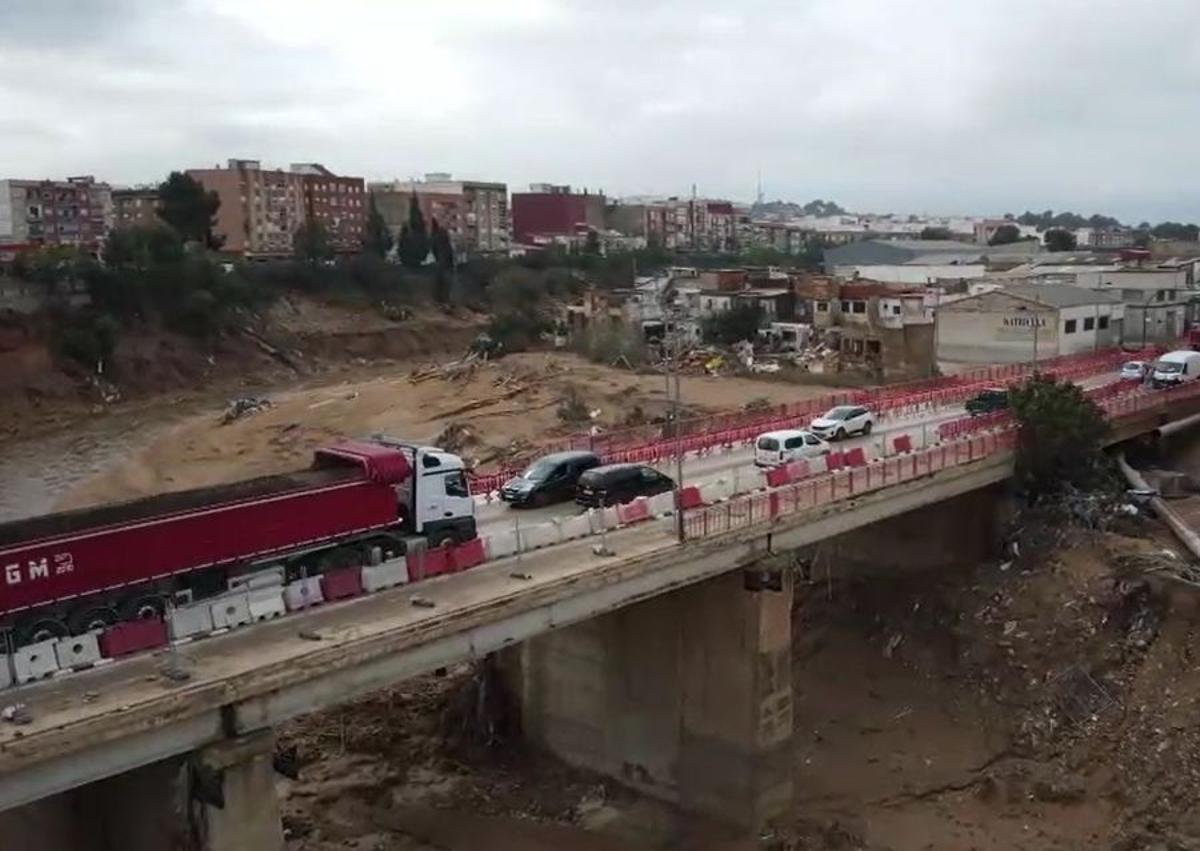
(6, 674)
(662, 504)
(716, 491)
(603, 518)
(231, 610)
(579, 526)
(266, 603)
(190, 620)
(34, 661)
(77, 651)
(500, 545)
(387, 575)
(303, 593)
(541, 535)
(818, 465)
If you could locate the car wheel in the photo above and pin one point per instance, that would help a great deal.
(840, 435)
(866, 428)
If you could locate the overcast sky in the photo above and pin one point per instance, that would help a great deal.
(926, 106)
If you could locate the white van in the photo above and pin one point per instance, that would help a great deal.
(1176, 367)
(779, 447)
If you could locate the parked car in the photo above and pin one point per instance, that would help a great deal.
(841, 422)
(780, 447)
(992, 399)
(1134, 370)
(1175, 368)
(551, 478)
(614, 484)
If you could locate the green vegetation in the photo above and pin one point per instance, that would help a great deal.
(311, 243)
(184, 204)
(734, 325)
(413, 245)
(1005, 235)
(378, 239)
(1060, 440)
(1057, 239)
(932, 232)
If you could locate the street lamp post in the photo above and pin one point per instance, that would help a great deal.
(671, 351)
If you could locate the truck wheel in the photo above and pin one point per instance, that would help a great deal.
(443, 540)
(91, 618)
(41, 629)
(143, 607)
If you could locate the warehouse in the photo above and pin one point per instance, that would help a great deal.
(1027, 322)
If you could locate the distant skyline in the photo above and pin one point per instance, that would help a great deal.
(938, 107)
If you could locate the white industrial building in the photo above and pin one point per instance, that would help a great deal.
(1025, 322)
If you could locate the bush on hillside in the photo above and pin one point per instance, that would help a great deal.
(1061, 438)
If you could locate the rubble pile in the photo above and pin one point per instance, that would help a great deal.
(244, 407)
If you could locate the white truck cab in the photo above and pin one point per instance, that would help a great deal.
(435, 500)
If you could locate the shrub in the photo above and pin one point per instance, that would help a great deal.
(1061, 437)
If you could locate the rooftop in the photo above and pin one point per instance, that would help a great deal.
(1061, 295)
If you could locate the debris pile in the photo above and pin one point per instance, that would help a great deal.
(244, 407)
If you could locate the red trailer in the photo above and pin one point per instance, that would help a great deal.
(85, 569)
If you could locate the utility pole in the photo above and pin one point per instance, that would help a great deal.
(671, 351)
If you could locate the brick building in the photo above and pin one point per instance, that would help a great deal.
(77, 212)
(339, 203)
(136, 207)
(700, 224)
(548, 213)
(475, 213)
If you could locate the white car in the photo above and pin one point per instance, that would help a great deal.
(780, 447)
(844, 420)
(1134, 370)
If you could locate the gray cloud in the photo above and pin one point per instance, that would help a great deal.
(940, 106)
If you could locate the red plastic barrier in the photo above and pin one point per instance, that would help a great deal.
(634, 512)
(469, 554)
(689, 497)
(835, 461)
(798, 470)
(903, 443)
(132, 636)
(342, 583)
(856, 457)
(777, 477)
(431, 562)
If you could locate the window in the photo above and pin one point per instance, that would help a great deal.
(873, 347)
(812, 440)
(845, 307)
(456, 484)
(1089, 323)
(793, 443)
(1069, 326)
(858, 307)
(1103, 323)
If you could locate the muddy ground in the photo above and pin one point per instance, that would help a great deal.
(1044, 704)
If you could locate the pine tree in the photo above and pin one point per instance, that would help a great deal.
(414, 239)
(379, 240)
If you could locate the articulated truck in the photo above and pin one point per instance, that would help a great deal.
(78, 571)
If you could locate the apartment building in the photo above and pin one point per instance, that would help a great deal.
(699, 224)
(475, 213)
(135, 207)
(553, 212)
(339, 203)
(261, 209)
(77, 212)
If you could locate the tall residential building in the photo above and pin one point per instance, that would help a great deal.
(548, 211)
(136, 207)
(475, 213)
(339, 203)
(261, 209)
(77, 211)
(702, 224)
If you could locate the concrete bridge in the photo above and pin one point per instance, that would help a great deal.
(662, 664)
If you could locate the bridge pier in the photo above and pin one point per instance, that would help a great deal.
(686, 696)
(165, 806)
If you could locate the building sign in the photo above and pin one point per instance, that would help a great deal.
(1024, 321)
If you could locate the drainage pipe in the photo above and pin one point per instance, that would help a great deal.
(1185, 533)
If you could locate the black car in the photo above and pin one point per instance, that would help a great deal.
(614, 484)
(551, 478)
(992, 399)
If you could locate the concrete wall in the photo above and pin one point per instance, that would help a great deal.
(914, 274)
(686, 697)
(990, 329)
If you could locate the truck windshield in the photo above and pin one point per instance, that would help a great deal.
(1168, 367)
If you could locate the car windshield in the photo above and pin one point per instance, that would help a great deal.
(1169, 367)
(538, 471)
(1132, 366)
(843, 412)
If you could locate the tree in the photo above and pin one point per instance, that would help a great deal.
(379, 239)
(932, 232)
(1057, 239)
(592, 244)
(1060, 438)
(413, 246)
(184, 204)
(734, 325)
(1005, 235)
(311, 243)
(443, 256)
(140, 247)
(1176, 231)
